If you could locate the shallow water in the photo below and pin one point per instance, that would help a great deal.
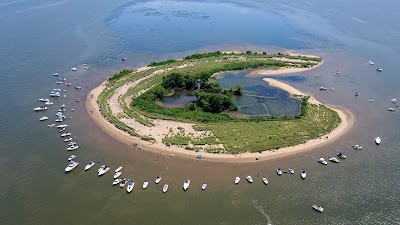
(41, 37)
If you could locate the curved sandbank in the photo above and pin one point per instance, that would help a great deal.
(162, 127)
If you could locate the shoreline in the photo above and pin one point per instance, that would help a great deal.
(93, 110)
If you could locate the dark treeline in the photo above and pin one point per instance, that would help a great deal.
(119, 75)
(162, 62)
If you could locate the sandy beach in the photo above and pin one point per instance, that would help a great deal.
(163, 126)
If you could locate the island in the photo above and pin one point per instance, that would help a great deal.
(127, 107)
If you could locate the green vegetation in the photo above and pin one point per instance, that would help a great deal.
(224, 133)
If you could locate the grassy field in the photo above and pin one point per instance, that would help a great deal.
(224, 134)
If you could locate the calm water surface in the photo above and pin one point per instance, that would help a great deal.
(41, 37)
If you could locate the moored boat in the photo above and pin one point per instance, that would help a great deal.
(117, 174)
(291, 170)
(66, 134)
(359, 147)
(116, 181)
(186, 185)
(341, 155)
(370, 100)
(371, 63)
(102, 170)
(71, 166)
(89, 165)
(56, 74)
(74, 69)
(40, 108)
(165, 188)
(145, 184)
(322, 161)
(158, 179)
(279, 171)
(303, 174)
(44, 99)
(68, 139)
(48, 103)
(249, 179)
(333, 159)
(318, 208)
(203, 186)
(119, 169)
(378, 140)
(122, 183)
(51, 125)
(237, 180)
(62, 126)
(72, 157)
(72, 148)
(55, 94)
(43, 118)
(131, 184)
(265, 180)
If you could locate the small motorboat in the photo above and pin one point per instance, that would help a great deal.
(63, 78)
(186, 185)
(303, 174)
(370, 100)
(291, 170)
(116, 181)
(62, 130)
(249, 179)
(393, 100)
(59, 82)
(203, 186)
(122, 183)
(72, 148)
(74, 69)
(265, 180)
(391, 110)
(378, 140)
(279, 171)
(89, 165)
(158, 179)
(145, 184)
(358, 147)
(357, 94)
(117, 174)
(71, 143)
(341, 155)
(51, 125)
(371, 63)
(59, 120)
(43, 118)
(338, 72)
(56, 74)
(318, 208)
(68, 139)
(68, 84)
(78, 87)
(322, 88)
(237, 180)
(379, 69)
(322, 161)
(165, 188)
(49, 103)
(62, 126)
(66, 134)
(71, 166)
(102, 170)
(55, 94)
(333, 159)
(119, 169)
(131, 184)
(124, 59)
(62, 106)
(40, 108)
(332, 89)
(72, 157)
(44, 99)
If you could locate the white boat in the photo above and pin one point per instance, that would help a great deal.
(74, 69)
(72, 157)
(51, 125)
(55, 94)
(56, 90)
(333, 159)
(370, 100)
(89, 165)
(71, 166)
(119, 169)
(116, 175)
(145, 184)
(332, 89)
(237, 180)
(40, 108)
(371, 63)
(279, 171)
(318, 208)
(338, 72)
(56, 74)
(68, 139)
(341, 155)
(59, 120)
(358, 147)
(322, 161)
(62, 126)
(122, 183)
(165, 188)
(59, 82)
(131, 184)
(62, 130)
(66, 134)
(71, 143)
(186, 185)
(291, 170)
(43, 118)
(379, 69)
(303, 174)
(62, 106)
(322, 88)
(203, 186)
(391, 109)
(393, 100)
(158, 179)
(49, 103)
(44, 99)
(116, 181)
(103, 169)
(357, 94)
(72, 148)
(265, 180)
(377, 140)
(249, 179)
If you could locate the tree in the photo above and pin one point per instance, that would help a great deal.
(238, 90)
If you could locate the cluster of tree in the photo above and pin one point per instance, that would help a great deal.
(204, 55)
(120, 75)
(213, 102)
(162, 62)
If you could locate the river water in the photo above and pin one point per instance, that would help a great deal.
(41, 37)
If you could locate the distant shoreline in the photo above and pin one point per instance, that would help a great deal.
(93, 110)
